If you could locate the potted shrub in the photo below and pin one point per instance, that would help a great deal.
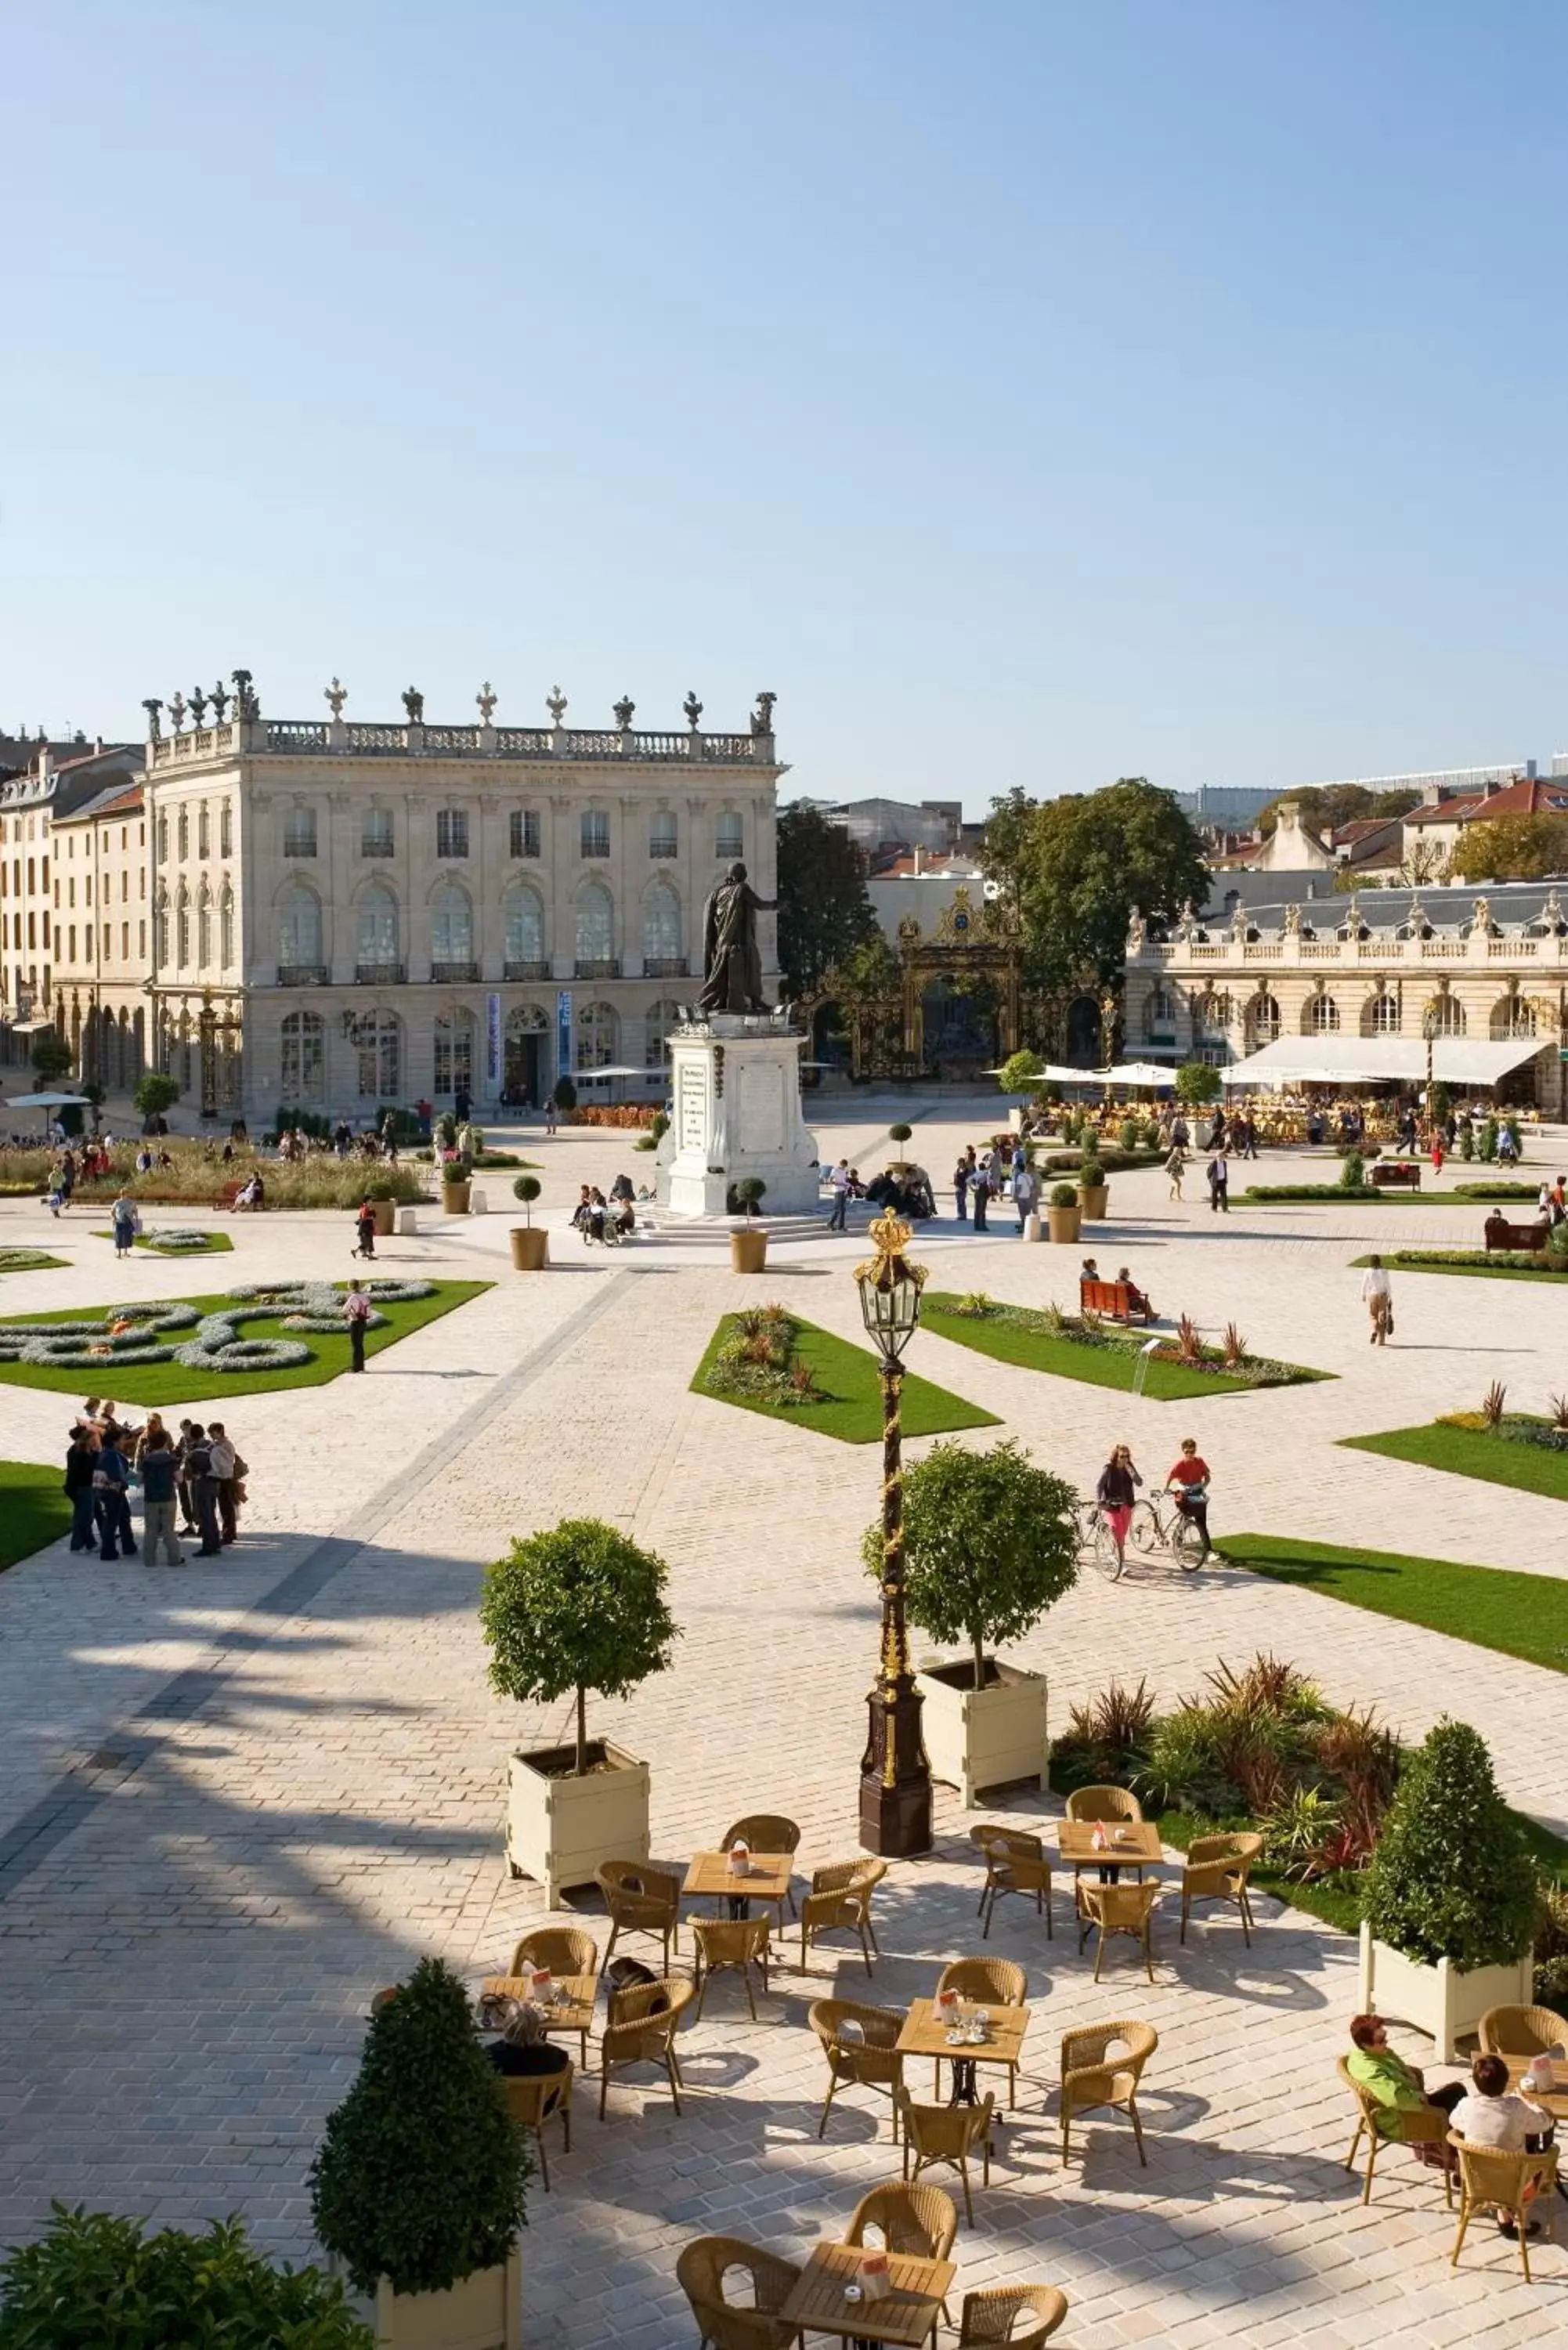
(1450, 1896)
(1093, 1190)
(565, 1095)
(1063, 1213)
(899, 1136)
(456, 1171)
(417, 2188)
(1022, 1072)
(749, 1249)
(574, 1608)
(166, 2288)
(530, 1247)
(990, 1543)
(383, 1199)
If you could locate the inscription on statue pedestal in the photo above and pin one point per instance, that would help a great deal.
(736, 1083)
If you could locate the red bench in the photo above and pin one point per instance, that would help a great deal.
(229, 1196)
(1500, 1235)
(1398, 1175)
(1118, 1301)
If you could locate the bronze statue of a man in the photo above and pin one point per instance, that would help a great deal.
(731, 964)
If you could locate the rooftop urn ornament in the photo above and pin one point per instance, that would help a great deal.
(177, 710)
(555, 703)
(247, 706)
(220, 702)
(625, 709)
(335, 695)
(484, 701)
(692, 708)
(197, 706)
(413, 702)
(763, 716)
(154, 728)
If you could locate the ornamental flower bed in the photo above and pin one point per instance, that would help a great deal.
(165, 1330)
(758, 1359)
(630, 1114)
(1231, 1361)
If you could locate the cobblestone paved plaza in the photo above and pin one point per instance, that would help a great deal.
(240, 1796)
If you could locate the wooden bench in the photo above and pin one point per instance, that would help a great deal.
(1500, 1235)
(1114, 1299)
(229, 1198)
(1398, 1175)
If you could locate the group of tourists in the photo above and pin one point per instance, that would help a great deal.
(1188, 1480)
(192, 1483)
(606, 1221)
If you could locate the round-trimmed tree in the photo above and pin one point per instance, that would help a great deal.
(1198, 1082)
(421, 2174)
(577, 1608)
(155, 1092)
(990, 1543)
(527, 1188)
(1021, 1073)
(1452, 1876)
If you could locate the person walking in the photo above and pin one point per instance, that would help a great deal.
(158, 1469)
(1116, 1494)
(357, 1309)
(365, 1226)
(838, 1184)
(225, 1476)
(1378, 1293)
(1174, 1164)
(204, 1488)
(1025, 1191)
(551, 1116)
(1219, 1185)
(127, 1221)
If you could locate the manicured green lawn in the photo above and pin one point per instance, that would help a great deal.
(26, 1260)
(1477, 1267)
(1518, 1615)
(34, 1510)
(167, 1383)
(1111, 1365)
(848, 1378)
(217, 1242)
(1470, 1452)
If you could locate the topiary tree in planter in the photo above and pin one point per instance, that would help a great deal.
(1021, 1073)
(421, 2175)
(527, 1188)
(990, 1543)
(169, 2288)
(155, 1092)
(1451, 1877)
(577, 1608)
(1352, 1171)
(1198, 1082)
(1063, 1195)
(750, 1189)
(566, 1094)
(899, 1136)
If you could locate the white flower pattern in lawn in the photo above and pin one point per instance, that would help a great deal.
(215, 1344)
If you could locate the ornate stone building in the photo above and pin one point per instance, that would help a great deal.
(1368, 983)
(349, 915)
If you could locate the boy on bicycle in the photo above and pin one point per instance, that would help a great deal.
(1188, 1480)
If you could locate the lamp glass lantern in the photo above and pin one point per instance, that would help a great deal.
(890, 1305)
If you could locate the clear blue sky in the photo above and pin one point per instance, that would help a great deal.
(1027, 394)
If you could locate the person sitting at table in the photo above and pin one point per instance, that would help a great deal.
(1394, 2087)
(1489, 2113)
(522, 2048)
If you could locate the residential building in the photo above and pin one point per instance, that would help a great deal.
(1432, 830)
(102, 942)
(345, 915)
(30, 805)
(920, 884)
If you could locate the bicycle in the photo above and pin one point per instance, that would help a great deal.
(1151, 1531)
(1096, 1544)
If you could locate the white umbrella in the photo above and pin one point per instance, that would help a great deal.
(1141, 1073)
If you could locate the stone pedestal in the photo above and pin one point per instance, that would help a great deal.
(736, 1087)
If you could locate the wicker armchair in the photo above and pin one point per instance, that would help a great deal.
(641, 2030)
(768, 1831)
(640, 1900)
(565, 1952)
(1118, 1910)
(1217, 1869)
(1091, 2078)
(534, 2098)
(989, 2318)
(920, 2220)
(948, 2133)
(738, 1944)
(704, 2270)
(1106, 1805)
(1491, 2180)
(1414, 2126)
(1522, 2031)
(866, 2060)
(840, 1898)
(986, 1982)
(1014, 1863)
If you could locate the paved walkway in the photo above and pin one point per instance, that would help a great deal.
(237, 1800)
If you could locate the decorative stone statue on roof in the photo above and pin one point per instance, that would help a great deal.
(731, 963)
(154, 728)
(220, 702)
(1239, 924)
(692, 708)
(413, 702)
(335, 695)
(1293, 920)
(197, 706)
(484, 701)
(763, 716)
(1189, 923)
(247, 708)
(177, 710)
(625, 712)
(1552, 913)
(1137, 932)
(555, 703)
(1482, 916)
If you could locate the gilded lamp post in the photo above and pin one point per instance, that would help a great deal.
(895, 1775)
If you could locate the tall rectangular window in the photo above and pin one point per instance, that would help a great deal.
(525, 832)
(109, 942)
(595, 833)
(452, 832)
(728, 839)
(227, 830)
(125, 941)
(376, 833)
(142, 940)
(203, 831)
(299, 832)
(662, 841)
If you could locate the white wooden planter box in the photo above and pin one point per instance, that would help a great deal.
(483, 2313)
(559, 1829)
(1444, 2001)
(983, 1738)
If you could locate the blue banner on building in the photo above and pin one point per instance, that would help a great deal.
(564, 1033)
(493, 1038)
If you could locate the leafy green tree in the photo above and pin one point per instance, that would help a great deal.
(1198, 1082)
(1512, 848)
(422, 2173)
(574, 1608)
(825, 910)
(1021, 1073)
(990, 1543)
(1085, 862)
(51, 1056)
(1008, 830)
(155, 1092)
(1452, 1876)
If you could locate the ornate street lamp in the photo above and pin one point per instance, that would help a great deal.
(895, 1775)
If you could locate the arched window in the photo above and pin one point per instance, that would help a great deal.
(378, 912)
(1512, 1019)
(204, 925)
(182, 926)
(1323, 1016)
(227, 925)
(1447, 1015)
(1211, 1016)
(184, 834)
(1084, 1031)
(298, 928)
(662, 946)
(454, 1053)
(527, 1020)
(597, 1035)
(160, 924)
(729, 838)
(452, 933)
(376, 1038)
(596, 931)
(1262, 1021)
(303, 1075)
(1159, 1017)
(657, 1022)
(1381, 1017)
(524, 914)
(663, 841)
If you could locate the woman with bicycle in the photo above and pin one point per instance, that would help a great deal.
(1115, 1495)
(1188, 1480)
